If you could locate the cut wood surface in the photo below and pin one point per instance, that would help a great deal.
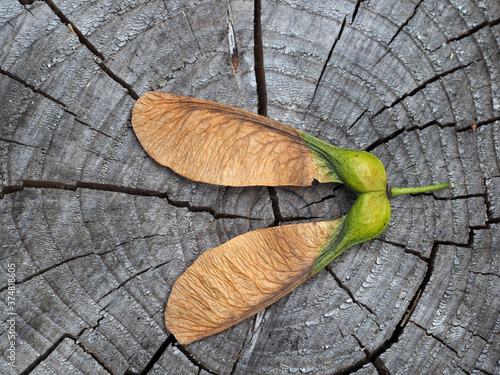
(96, 232)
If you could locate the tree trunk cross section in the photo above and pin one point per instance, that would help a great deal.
(94, 233)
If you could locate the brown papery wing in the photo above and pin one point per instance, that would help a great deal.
(236, 280)
(218, 144)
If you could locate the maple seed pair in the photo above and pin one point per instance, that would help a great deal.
(223, 145)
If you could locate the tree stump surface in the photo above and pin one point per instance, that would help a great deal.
(95, 232)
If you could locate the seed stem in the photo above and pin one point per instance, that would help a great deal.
(421, 189)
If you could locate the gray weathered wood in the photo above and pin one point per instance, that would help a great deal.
(98, 232)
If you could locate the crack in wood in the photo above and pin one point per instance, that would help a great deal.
(55, 265)
(31, 87)
(438, 339)
(405, 23)
(192, 359)
(359, 117)
(170, 340)
(398, 132)
(235, 365)
(135, 275)
(424, 84)
(399, 328)
(84, 41)
(475, 29)
(416, 253)
(260, 75)
(118, 189)
(356, 9)
(275, 204)
(349, 293)
(479, 124)
(51, 98)
(33, 365)
(330, 54)
(193, 33)
(16, 143)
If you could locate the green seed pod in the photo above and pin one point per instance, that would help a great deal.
(359, 170)
(367, 218)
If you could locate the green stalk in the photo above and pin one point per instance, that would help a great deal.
(420, 189)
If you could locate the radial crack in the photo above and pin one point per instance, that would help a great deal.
(404, 24)
(84, 41)
(342, 26)
(157, 355)
(192, 359)
(260, 75)
(351, 296)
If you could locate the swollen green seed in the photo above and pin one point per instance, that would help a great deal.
(359, 170)
(367, 218)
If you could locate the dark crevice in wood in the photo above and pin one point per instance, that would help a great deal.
(380, 366)
(359, 118)
(348, 291)
(55, 265)
(45, 355)
(482, 274)
(363, 348)
(135, 275)
(455, 198)
(15, 142)
(31, 87)
(375, 356)
(398, 132)
(33, 365)
(325, 65)
(155, 358)
(328, 197)
(336, 187)
(192, 359)
(404, 248)
(235, 364)
(424, 85)
(376, 362)
(51, 98)
(438, 339)
(260, 75)
(193, 33)
(404, 24)
(475, 29)
(356, 9)
(84, 41)
(353, 368)
(118, 189)
(479, 124)
(273, 195)
(385, 139)
(91, 352)
(91, 127)
(457, 244)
